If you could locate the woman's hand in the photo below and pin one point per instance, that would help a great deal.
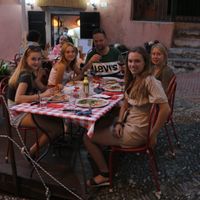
(47, 93)
(118, 131)
(40, 73)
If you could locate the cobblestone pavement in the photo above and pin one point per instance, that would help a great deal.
(179, 177)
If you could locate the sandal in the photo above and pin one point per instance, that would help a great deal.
(93, 183)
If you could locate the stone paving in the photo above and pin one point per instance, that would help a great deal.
(179, 177)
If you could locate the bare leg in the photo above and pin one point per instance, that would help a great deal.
(104, 138)
(27, 121)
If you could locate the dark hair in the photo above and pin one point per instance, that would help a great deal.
(33, 36)
(34, 48)
(99, 30)
(148, 45)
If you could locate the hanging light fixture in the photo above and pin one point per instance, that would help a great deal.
(30, 3)
(78, 22)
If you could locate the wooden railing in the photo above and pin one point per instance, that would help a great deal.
(166, 10)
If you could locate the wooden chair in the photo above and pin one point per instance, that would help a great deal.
(146, 148)
(171, 91)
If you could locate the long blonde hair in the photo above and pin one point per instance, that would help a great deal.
(63, 60)
(137, 87)
(163, 50)
(23, 65)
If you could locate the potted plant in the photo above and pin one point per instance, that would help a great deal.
(4, 69)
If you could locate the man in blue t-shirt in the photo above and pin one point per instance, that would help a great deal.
(103, 60)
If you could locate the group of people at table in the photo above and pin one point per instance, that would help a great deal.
(146, 79)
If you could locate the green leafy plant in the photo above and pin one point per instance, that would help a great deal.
(4, 68)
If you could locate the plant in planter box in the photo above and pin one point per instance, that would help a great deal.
(4, 69)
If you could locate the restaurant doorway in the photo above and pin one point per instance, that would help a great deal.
(61, 21)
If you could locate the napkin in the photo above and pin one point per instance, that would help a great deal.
(112, 93)
(54, 105)
(103, 96)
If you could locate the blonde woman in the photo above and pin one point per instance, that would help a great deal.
(25, 86)
(66, 69)
(141, 90)
(160, 68)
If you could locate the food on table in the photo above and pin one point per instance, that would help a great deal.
(59, 97)
(113, 88)
(73, 83)
(92, 102)
(111, 81)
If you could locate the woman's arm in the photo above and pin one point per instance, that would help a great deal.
(60, 68)
(21, 97)
(119, 124)
(164, 111)
(123, 108)
(38, 80)
(78, 73)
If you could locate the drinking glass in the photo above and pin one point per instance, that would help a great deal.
(121, 62)
(43, 102)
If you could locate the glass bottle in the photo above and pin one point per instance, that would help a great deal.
(86, 85)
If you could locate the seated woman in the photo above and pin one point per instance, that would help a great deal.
(66, 69)
(160, 68)
(57, 48)
(141, 91)
(24, 87)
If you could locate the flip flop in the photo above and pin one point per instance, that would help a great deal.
(92, 183)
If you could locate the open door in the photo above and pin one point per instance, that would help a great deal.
(36, 21)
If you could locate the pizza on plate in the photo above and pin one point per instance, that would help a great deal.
(74, 83)
(91, 102)
(113, 88)
(59, 97)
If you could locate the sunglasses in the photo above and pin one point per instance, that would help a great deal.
(34, 48)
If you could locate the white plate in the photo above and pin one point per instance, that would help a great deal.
(58, 98)
(91, 102)
(112, 80)
(113, 88)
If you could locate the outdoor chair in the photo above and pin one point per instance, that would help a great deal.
(17, 58)
(146, 148)
(22, 129)
(171, 90)
(3, 82)
(3, 87)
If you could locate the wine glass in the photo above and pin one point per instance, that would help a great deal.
(121, 62)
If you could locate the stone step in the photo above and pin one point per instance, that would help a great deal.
(192, 53)
(195, 33)
(184, 63)
(187, 42)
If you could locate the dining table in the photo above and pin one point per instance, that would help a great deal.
(71, 112)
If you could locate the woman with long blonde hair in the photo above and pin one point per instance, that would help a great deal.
(160, 69)
(130, 130)
(25, 86)
(66, 69)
